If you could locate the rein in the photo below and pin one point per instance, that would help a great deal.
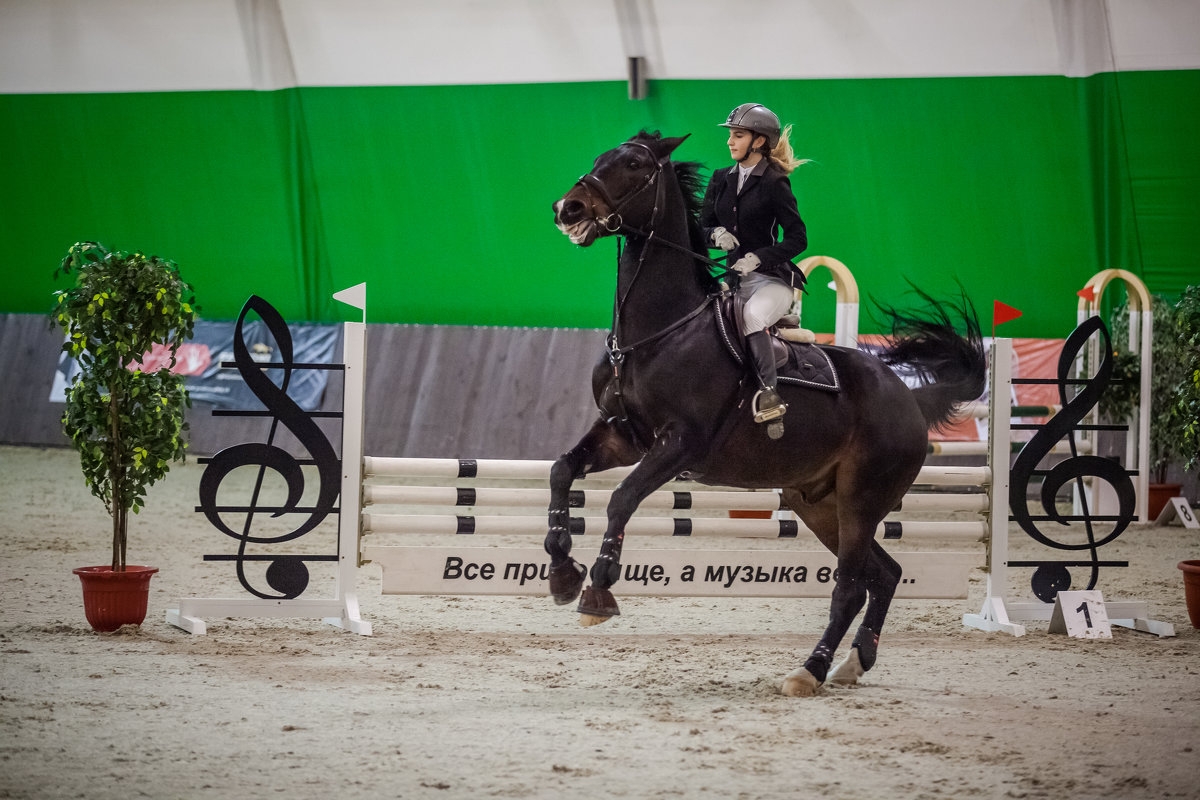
(616, 354)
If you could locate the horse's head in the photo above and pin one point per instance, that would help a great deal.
(620, 193)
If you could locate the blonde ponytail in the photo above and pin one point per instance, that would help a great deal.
(782, 153)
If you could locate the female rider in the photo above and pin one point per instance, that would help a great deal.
(744, 207)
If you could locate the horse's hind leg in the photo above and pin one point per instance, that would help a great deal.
(600, 449)
(845, 522)
(882, 578)
(849, 596)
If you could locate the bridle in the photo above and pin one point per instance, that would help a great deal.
(594, 186)
(614, 223)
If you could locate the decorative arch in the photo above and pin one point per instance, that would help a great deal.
(845, 331)
(1141, 319)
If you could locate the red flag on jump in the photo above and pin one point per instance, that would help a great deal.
(1088, 293)
(1002, 313)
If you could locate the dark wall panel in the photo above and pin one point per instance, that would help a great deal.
(432, 391)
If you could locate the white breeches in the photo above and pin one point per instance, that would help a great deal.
(767, 299)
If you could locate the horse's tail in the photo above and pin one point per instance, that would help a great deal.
(951, 366)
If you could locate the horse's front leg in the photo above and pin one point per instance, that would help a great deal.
(668, 456)
(602, 448)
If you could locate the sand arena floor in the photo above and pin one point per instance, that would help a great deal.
(460, 697)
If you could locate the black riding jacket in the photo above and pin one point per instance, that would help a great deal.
(765, 204)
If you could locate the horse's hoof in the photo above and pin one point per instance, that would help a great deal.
(596, 606)
(566, 580)
(799, 683)
(849, 671)
(775, 430)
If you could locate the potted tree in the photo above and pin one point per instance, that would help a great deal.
(126, 421)
(1187, 412)
(1169, 355)
(1187, 394)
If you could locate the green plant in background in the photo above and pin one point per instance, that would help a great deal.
(1120, 398)
(1187, 401)
(126, 422)
(1167, 353)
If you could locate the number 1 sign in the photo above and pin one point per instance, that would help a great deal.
(1081, 615)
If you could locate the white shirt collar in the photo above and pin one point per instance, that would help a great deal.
(743, 171)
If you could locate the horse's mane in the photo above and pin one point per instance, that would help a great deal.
(691, 184)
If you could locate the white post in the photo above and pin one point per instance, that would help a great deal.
(994, 614)
(846, 330)
(354, 360)
(1134, 421)
(1143, 430)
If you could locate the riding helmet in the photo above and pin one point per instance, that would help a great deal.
(757, 118)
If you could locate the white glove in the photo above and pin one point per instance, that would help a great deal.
(723, 239)
(746, 264)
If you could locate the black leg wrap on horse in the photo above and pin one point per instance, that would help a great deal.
(558, 545)
(818, 663)
(605, 572)
(867, 642)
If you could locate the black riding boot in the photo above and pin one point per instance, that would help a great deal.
(768, 405)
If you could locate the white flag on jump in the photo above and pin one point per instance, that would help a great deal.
(354, 296)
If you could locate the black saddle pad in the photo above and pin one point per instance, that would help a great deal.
(805, 364)
(809, 365)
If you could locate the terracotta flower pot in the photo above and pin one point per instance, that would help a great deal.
(1191, 589)
(112, 599)
(1158, 496)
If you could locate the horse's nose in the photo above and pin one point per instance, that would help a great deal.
(568, 211)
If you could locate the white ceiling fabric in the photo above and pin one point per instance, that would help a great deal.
(150, 45)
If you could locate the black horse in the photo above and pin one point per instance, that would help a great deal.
(674, 400)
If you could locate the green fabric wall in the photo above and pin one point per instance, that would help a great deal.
(439, 197)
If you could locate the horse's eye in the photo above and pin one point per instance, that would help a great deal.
(635, 163)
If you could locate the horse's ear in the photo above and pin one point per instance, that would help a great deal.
(669, 143)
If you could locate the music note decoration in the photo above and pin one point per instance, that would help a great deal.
(286, 575)
(1050, 576)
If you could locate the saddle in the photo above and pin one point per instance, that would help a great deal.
(798, 359)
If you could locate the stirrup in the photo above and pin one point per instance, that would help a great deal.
(770, 412)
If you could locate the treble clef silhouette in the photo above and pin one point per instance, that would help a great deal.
(286, 574)
(1051, 577)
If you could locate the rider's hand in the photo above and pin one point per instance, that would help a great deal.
(723, 239)
(746, 264)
